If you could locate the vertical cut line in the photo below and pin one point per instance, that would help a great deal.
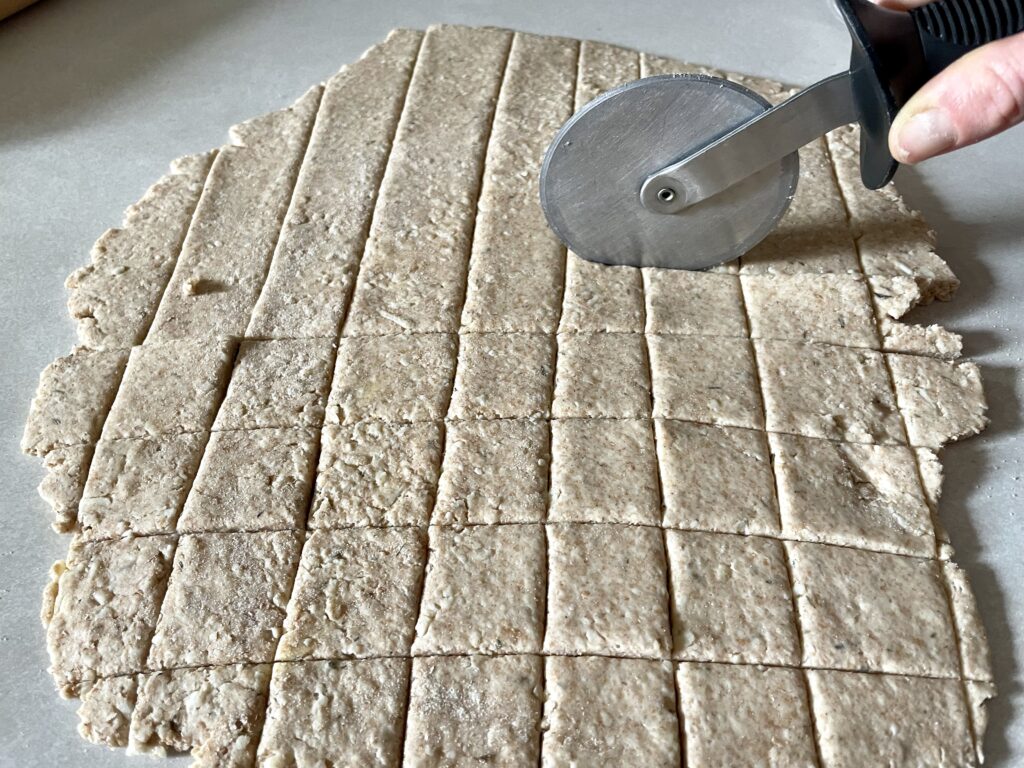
(223, 396)
(564, 252)
(367, 229)
(662, 506)
(812, 719)
(932, 508)
(471, 245)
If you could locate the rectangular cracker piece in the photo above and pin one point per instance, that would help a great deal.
(731, 599)
(503, 376)
(356, 594)
(813, 236)
(413, 273)
(215, 713)
(465, 710)
(602, 375)
(941, 401)
(705, 379)
(106, 710)
(376, 473)
(975, 658)
(893, 240)
(524, 292)
(607, 591)
(404, 377)
(103, 605)
(865, 496)
(898, 623)
(693, 303)
(170, 388)
(226, 599)
(139, 485)
(716, 478)
(310, 280)
(72, 400)
(742, 715)
(889, 720)
(484, 591)
(236, 226)
(282, 383)
(599, 297)
(114, 297)
(252, 480)
(832, 309)
(336, 713)
(61, 487)
(494, 472)
(819, 390)
(604, 471)
(610, 712)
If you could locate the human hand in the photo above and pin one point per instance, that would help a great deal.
(977, 96)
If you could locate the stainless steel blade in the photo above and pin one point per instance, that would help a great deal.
(755, 144)
(597, 164)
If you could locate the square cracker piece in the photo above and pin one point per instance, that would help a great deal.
(941, 401)
(484, 591)
(404, 377)
(604, 471)
(101, 607)
(252, 480)
(610, 712)
(226, 599)
(494, 472)
(376, 473)
(694, 303)
(278, 383)
(607, 591)
(356, 594)
(464, 710)
(602, 375)
(601, 298)
(820, 390)
(742, 715)
(707, 379)
(139, 485)
(872, 612)
(214, 712)
(889, 720)
(503, 376)
(170, 388)
(336, 713)
(716, 478)
(731, 600)
(72, 400)
(832, 309)
(864, 496)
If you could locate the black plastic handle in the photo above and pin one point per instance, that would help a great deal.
(896, 52)
(950, 28)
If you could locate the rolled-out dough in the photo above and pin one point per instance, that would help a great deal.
(363, 468)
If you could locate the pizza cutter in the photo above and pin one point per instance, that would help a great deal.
(688, 171)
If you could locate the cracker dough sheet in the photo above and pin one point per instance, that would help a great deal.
(360, 467)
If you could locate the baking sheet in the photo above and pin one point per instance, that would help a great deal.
(96, 97)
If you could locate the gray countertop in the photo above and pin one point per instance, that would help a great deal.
(97, 96)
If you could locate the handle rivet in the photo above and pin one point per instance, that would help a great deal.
(666, 194)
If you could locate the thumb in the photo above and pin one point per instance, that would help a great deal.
(975, 97)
